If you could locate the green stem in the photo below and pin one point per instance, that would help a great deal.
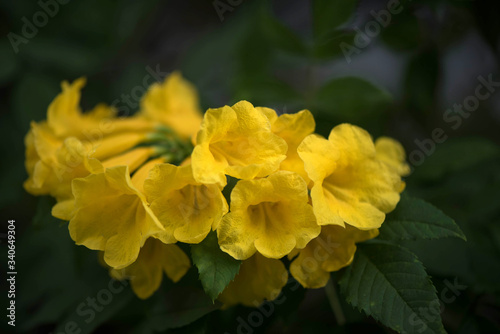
(333, 299)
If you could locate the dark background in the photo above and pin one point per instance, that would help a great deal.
(281, 54)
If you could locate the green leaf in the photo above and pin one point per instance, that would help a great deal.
(69, 57)
(185, 306)
(9, 63)
(117, 302)
(329, 14)
(215, 267)
(45, 248)
(31, 96)
(281, 36)
(421, 82)
(388, 283)
(454, 260)
(351, 98)
(266, 90)
(43, 216)
(216, 79)
(403, 34)
(416, 219)
(328, 46)
(454, 155)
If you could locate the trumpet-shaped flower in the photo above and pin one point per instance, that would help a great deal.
(65, 208)
(293, 128)
(350, 184)
(332, 250)
(116, 144)
(41, 144)
(67, 145)
(392, 153)
(259, 279)
(187, 209)
(236, 141)
(133, 158)
(155, 258)
(268, 215)
(65, 118)
(112, 215)
(173, 103)
(53, 163)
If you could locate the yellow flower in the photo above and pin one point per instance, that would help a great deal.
(236, 141)
(187, 209)
(269, 215)
(133, 158)
(332, 250)
(65, 207)
(31, 153)
(112, 215)
(259, 279)
(293, 128)
(65, 118)
(66, 145)
(53, 163)
(143, 173)
(350, 184)
(155, 258)
(115, 144)
(392, 153)
(173, 103)
(41, 147)
(64, 114)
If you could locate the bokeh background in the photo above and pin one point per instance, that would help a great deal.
(402, 80)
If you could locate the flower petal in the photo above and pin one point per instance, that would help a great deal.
(111, 215)
(173, 103)
(332, 250)
(259, 279)
(269, 215)
(393, 154)
(187, 209)
(64, 209)
(293, 128)
(133, 159)
(350, 184)
(146, 272)
(236, 141)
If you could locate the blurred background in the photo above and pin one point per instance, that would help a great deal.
(423, 72)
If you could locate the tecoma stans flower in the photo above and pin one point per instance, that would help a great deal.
(332, 250)
(392, 153)
(350, 184)
(173, 103)
(133, 158)
(259, 279)
(270, 215)
(65, 118)
(52, 162)
(155, 258)
(236, 141)
(56, 163)
(112, 215)
(65, 207)
(67, 145)
(293, 128)
(187, 209)
(116, 144)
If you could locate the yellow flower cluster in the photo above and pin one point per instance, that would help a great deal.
(133, 187)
